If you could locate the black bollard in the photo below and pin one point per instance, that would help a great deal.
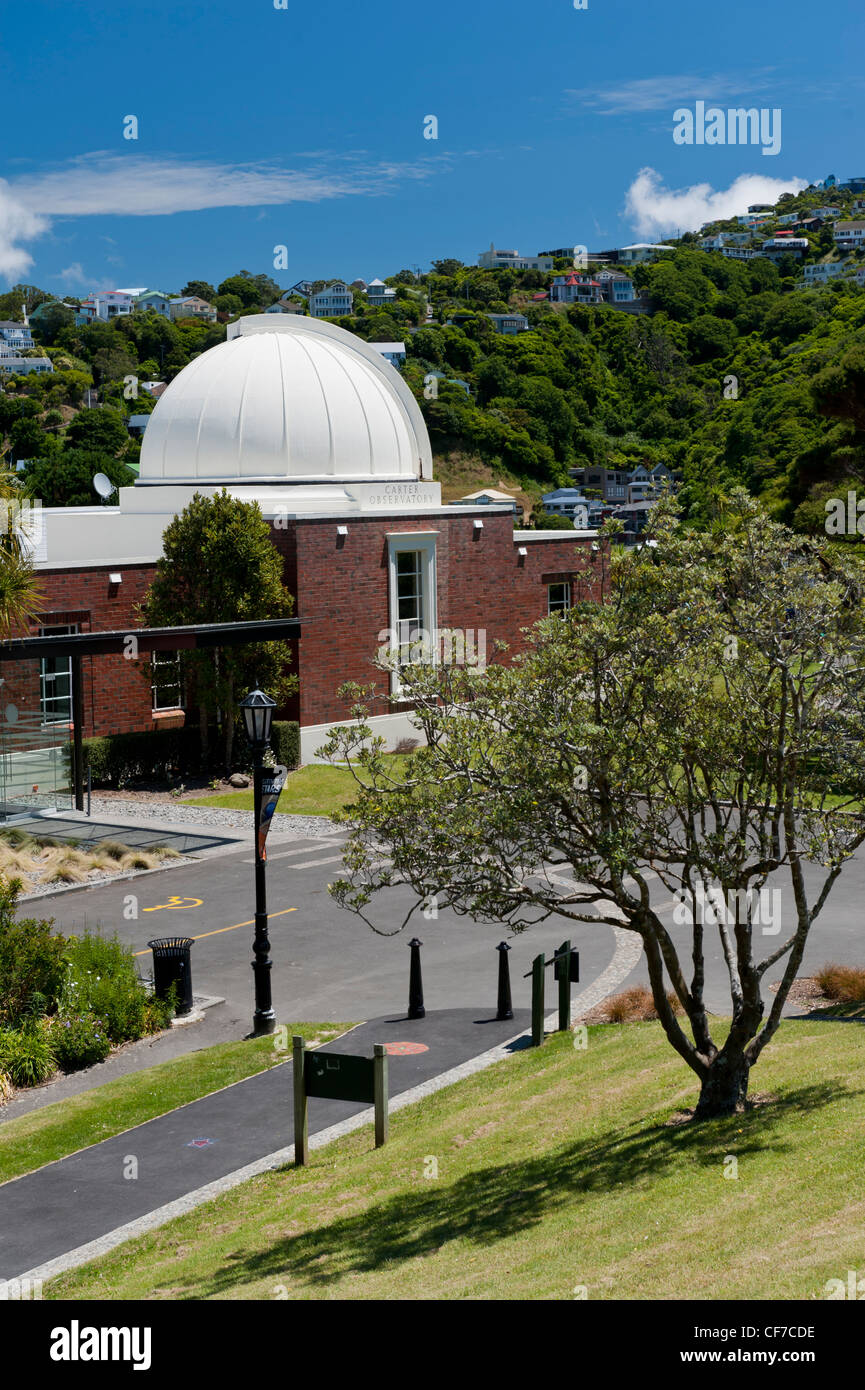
(504, 1008)
(415, 983)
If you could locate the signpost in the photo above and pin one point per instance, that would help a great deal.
(337, 1076)
(566, 969)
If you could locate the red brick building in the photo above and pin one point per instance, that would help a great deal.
(321, 431)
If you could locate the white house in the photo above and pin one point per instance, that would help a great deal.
(105, 305)
(640, 251)
(394, 353)
(15, 340)
(739, 253)
(821, 272)
(849, 236)
(332, 302)
(575, 289)
(824, 212)
(616, 288)
(499, 260)
(378, 293)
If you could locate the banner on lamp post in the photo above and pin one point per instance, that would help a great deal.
(272, 784)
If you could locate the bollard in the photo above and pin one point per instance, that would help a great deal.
(415, 983)
(504, 1008)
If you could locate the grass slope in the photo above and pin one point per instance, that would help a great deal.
(555, 1169)
(56, 1130)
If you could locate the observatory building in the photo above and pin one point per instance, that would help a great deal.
(324, 434)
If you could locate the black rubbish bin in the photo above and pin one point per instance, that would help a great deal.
(172, 966)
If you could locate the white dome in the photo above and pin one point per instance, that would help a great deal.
(286, 399)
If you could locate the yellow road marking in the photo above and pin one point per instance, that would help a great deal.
(175, 903)
(220, 930)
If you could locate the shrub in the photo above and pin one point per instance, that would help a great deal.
(121, 758)
(285, 741)
(26, 1056)
(102, 980)
(32, 961)
(78, 1040)
(846, 983)
(636, 1005)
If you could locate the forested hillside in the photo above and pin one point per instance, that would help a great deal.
(738, 374)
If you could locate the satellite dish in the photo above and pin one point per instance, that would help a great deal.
(104, 486)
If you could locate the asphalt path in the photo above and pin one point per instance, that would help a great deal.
(81, 1198)
(327, 963)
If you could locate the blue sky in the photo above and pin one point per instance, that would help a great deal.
(304, 127)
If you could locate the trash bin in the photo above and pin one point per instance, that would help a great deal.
(172, 966)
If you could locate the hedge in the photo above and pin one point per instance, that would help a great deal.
(285, 742)
(120, 758)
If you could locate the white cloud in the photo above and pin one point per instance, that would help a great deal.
(108, 184)
(658, 93)
(139, 186)
(73, 275)
(655, 210)
(18, 223)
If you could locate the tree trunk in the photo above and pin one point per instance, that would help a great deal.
(724, 1087)
(203, 733)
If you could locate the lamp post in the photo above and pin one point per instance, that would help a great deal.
(257, 711)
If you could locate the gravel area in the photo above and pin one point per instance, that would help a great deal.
(179, 812)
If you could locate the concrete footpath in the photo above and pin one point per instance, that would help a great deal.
(80, 1199)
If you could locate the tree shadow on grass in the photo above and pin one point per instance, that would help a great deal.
(492, 1203)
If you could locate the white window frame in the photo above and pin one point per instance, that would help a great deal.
(425, 543)
(50, 703)
(155, 692)
(559, 608)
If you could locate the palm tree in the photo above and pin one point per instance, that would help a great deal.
(20, 595)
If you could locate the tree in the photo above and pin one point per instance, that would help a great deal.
(201, 288)
(64, 477)
(448, 267)
(245, 288)
(700, 735)
(99, 428)
(219, 565)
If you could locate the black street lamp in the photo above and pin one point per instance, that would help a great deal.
(257, 711)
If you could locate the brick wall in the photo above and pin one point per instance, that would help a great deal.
(342, 593)
(341, 585)
(116, 694)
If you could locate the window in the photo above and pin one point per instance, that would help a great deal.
(558, 598)
(165, 688)
(412, 598)
(55, 680)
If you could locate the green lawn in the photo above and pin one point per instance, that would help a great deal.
(68, 1125)
(556, 1170)
(315, 790)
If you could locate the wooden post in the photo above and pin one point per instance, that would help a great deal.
(301, 1123)
(538, 1000)
(564, 954)
(380, 1094)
